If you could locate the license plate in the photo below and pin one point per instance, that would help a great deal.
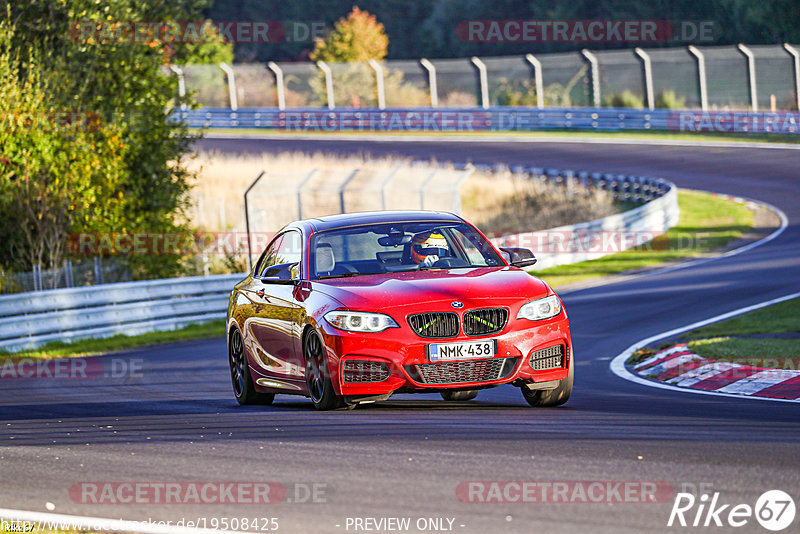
(468, 350)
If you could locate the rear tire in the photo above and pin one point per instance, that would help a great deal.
(463, 395)
(545, 398)
(318, 380)
(243, 388)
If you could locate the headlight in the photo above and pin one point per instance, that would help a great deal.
(360, 321)
(540, 309)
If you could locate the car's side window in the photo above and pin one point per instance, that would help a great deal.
(468, 246)
(291, 250)
(270, 255)
(287, 248)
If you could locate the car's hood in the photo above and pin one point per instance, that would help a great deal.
(487, 286)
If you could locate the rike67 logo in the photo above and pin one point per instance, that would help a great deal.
(774, 510)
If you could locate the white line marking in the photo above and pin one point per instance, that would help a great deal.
(617, 365)
(70, 522)
(439, 137)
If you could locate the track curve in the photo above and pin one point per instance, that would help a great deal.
(178, 421)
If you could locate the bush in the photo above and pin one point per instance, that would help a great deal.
(625, 99)
(514, 93)
(669, 100)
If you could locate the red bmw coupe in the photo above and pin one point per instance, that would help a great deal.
(354, 308)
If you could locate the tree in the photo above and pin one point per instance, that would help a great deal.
(60, 172)
(125, 83)
(358, 37)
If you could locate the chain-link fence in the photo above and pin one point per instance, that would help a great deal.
(717, 78)
(74, 273)
(279, 198)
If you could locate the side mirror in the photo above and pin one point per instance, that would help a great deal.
(285, 274)
(520, 257)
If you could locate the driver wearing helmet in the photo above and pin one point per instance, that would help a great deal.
(428, 247)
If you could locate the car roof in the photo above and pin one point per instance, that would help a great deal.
(330, 222)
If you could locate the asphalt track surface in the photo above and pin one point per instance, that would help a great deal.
(178, 421)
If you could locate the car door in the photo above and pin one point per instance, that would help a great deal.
(272, 332)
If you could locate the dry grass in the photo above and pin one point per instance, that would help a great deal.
(504, 203)
(498, 203)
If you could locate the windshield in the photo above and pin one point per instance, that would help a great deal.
(399, 247)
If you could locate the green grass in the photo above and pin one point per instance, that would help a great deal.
(707, 223)
(758, 352)
(600, 134)
(715, 342)
(93, 347)
(778, 318)
(722, 341)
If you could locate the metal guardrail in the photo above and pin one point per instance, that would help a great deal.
(362, 120)
(591, 240)
(30, 320)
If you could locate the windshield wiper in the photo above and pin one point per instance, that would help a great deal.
(343, 275)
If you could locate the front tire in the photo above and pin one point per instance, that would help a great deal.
(552, 397)
(243, 388)
(318, 380)
(463, 395)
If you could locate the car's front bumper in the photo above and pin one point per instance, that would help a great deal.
(409, 369)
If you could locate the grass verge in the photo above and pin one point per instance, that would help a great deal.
(769, 337)
(707, 223)
(93, 347)
(755, 338)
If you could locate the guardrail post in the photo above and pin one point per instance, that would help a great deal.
(648, 77)
(37, 277)
(98, 270)
(379, 83)
(280, 88)
(796, 57)
(595, 73)
(701, 76)
(389, 178)
(299, 192)
(751, 75)
(181, 83)
(422, 187)
(68, 280)
(343, 187)
(483, 80)
(326, 70)
(431, 81)
(231, 85)
(247, 220)
(537, 79)
(466, 173)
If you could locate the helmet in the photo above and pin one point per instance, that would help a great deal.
(430, 243)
